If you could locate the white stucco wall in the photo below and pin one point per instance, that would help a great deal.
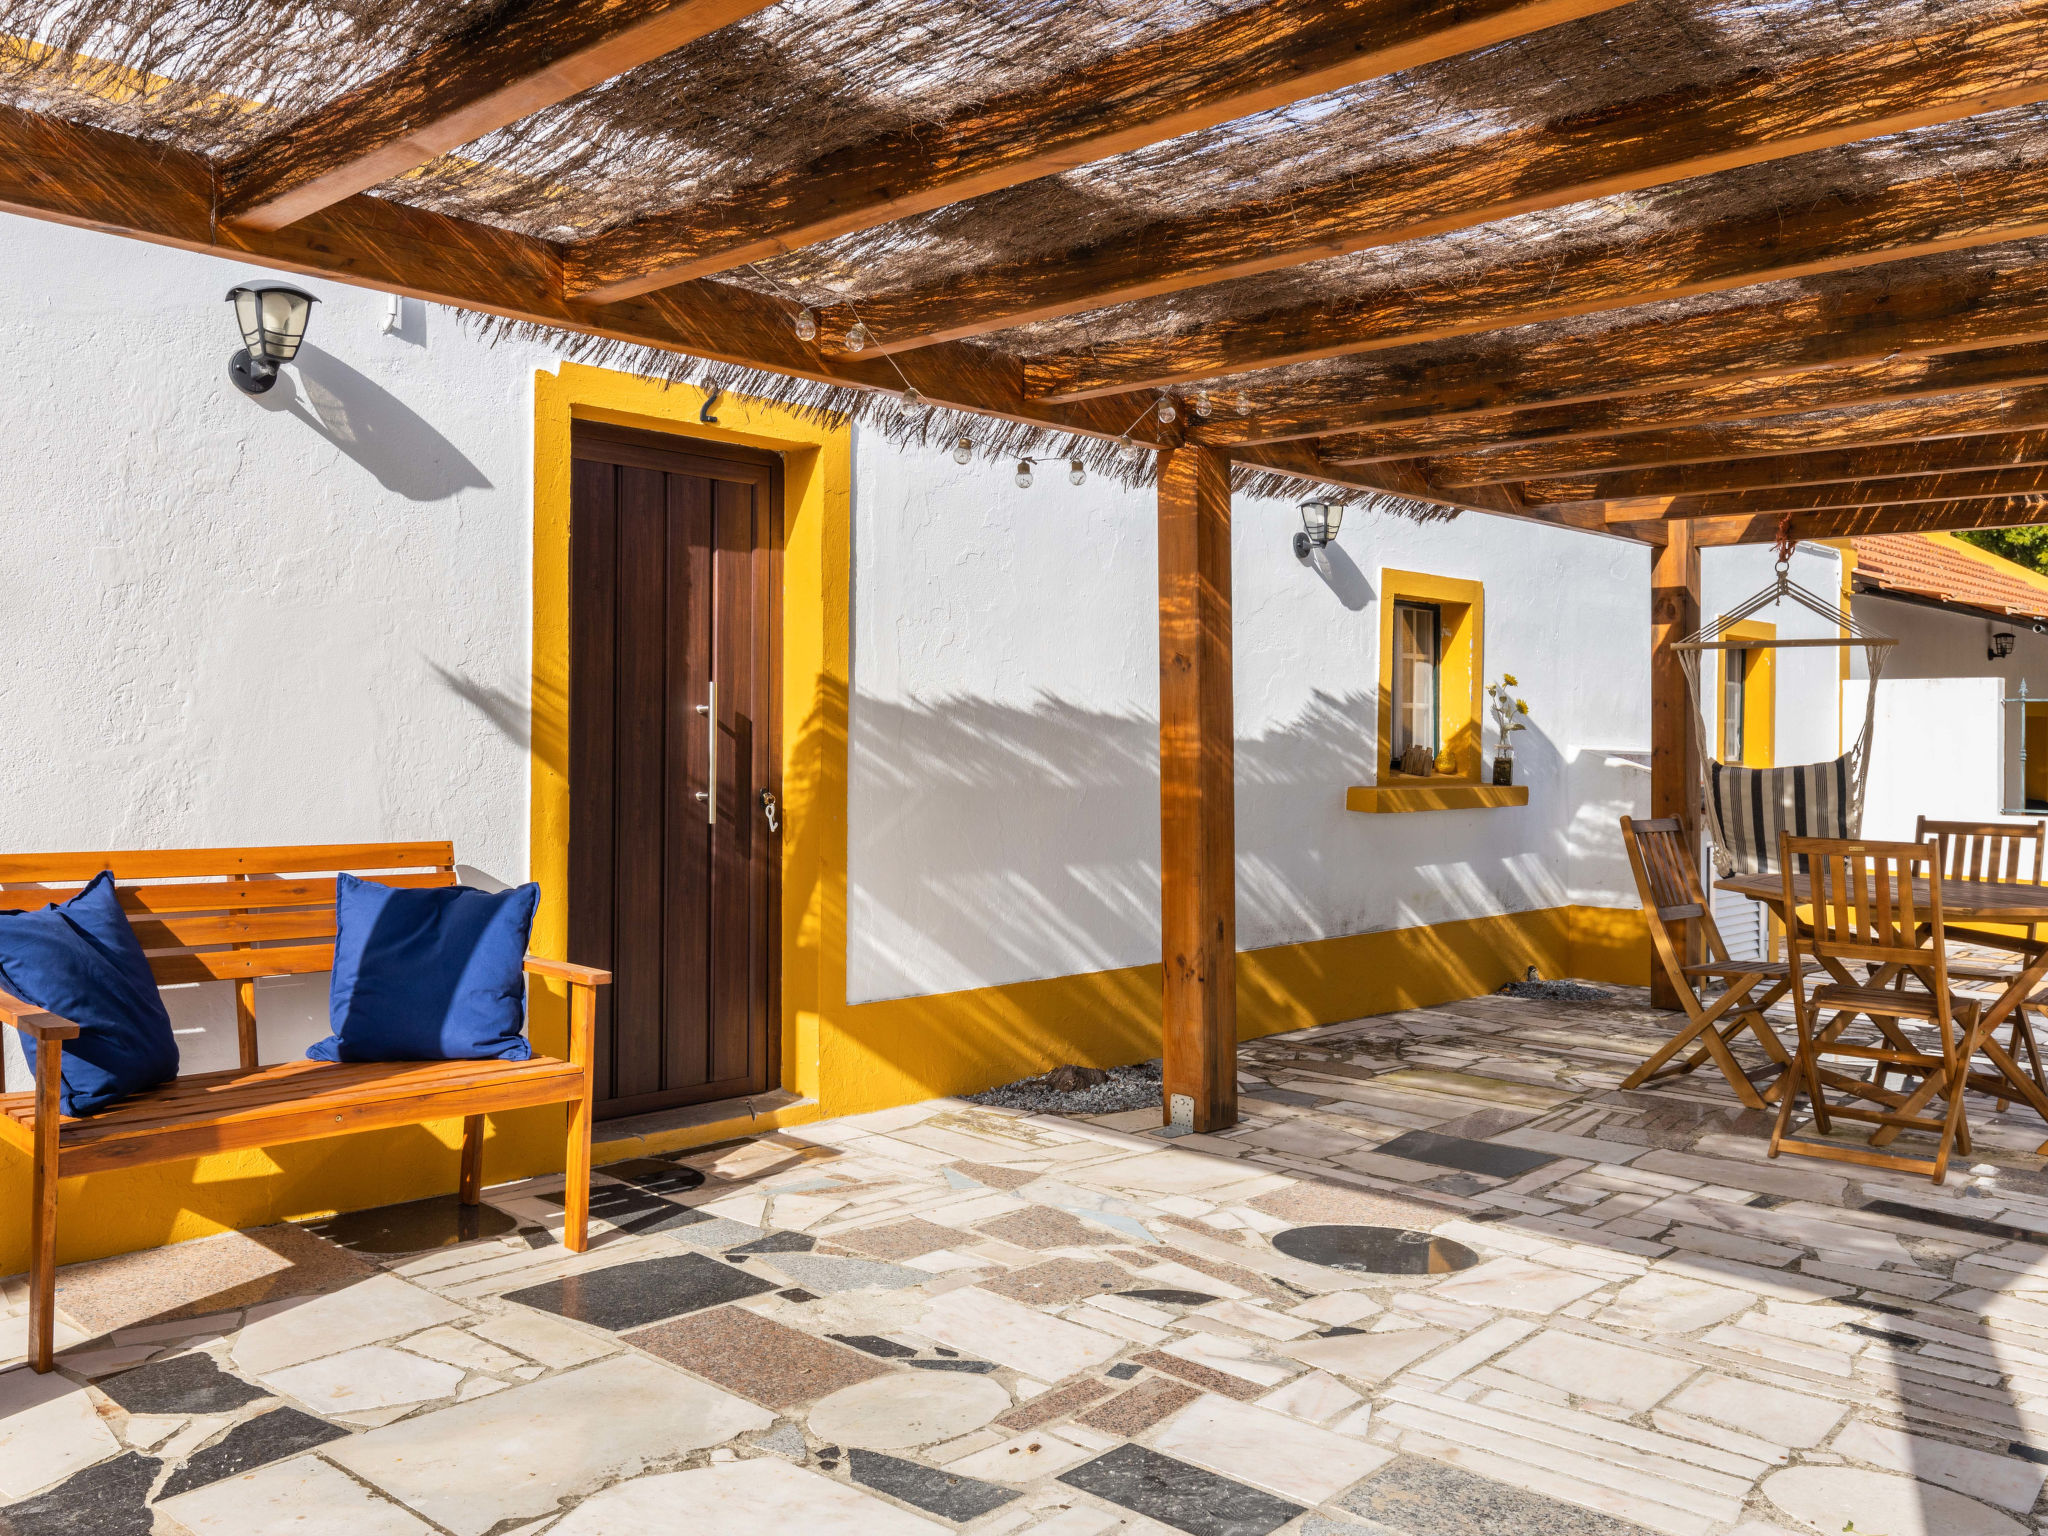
(304, 617)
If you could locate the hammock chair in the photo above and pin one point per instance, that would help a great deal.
(1746, 808)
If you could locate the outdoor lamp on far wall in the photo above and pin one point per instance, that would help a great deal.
(1320, 521)
(272, 317)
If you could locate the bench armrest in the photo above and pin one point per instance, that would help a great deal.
(38, 1024)
(569, 971)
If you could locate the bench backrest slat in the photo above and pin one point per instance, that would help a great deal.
(228, 914)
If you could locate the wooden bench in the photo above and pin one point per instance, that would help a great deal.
(237, 914)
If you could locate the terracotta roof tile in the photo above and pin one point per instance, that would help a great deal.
(1932, 565)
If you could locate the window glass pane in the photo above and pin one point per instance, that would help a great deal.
(1734, 689)
(1417, 631)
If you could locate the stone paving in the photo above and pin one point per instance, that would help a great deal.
(1610, 1315)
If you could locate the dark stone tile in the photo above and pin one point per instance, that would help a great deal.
(192, 1383)
(1132, 1412)
(1057, 1282)
(1410, 1494)
(1286, 1096)
(1885, 1335)
(253, 1443)
(1123, 1372)
(106, 1500)
(416, 1226)
(943, 1493)
(632, 1209)
(1171, 1298)
(1375, 1250)
(2027, 1452)
(874, 1344)
(1488, 1157)
(976, 1367)
(775, 1242)
(1056, 1404)
(655, 1175)
(796, 1293)
(634, 1295)
(1953, 1221)
(1176, 1494)
(757, 1357)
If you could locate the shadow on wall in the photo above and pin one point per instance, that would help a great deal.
(375, 428)
(1340, 573)
(1007, 841)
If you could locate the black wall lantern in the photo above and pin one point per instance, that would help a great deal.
(1320, 521)
(272, 317)
(2001, 644)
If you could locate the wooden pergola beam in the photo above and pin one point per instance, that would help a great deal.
(1892, 379)
(1916, 218)
(1976, 413)
(1220, 69)
(1908, 490)
(1939, 517)
(2002, 451)
(94, 179)
(511, 65)
(1861, 93)
(1911, 314)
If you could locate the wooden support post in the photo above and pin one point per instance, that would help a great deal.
(576, 1162)
(472, 1190)
(1198, 832)
(42, 1216)
(1674, 760)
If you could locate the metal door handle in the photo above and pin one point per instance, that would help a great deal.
(709, 794)
(769, 809)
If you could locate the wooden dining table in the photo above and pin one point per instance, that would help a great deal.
(1967, 904)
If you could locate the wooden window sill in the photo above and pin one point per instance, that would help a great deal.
(1444, 795)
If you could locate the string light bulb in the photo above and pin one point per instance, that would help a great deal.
(910, 400)
(1128, 444)
(806, 323)
(1077, 472)
(1244, 403)
(1204, 407)
(1168, 413)
(963, 449)
(1023, 474)
(857, 338)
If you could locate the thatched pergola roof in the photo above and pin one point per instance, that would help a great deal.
(1598, 264)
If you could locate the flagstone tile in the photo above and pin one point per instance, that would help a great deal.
(1667, 1302)
(183, 1384)
(898, 1410)
(1784, 1418)
(1040, 1227)
(105, 1500)
(656, 1175)
(823, 1274)
(949, 1494)
(286, 1333)
(49, 1429)
(755, 1495)
(2005, 1480)
(1057, 1402)
(1207, 1377)
(1411, 1494)
(996, 1328)
(305, 1497)
(1186, 1497)
(1367, 1357)
(758, 1358)
(1266, 1449)
(1021, 1459)
(1133, 1411)
(1518, 1286)
(413, 1226)
(541, 1337)
(1317, 1397)
(646, 1291)
(1059, 1282)
(1596, 1369)
(1835, 1499)
(209, 1274)
(256, 1442)
(517, 1454)
(453, 1346)
(147, 1431)
(365, 1380)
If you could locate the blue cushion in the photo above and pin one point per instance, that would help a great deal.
(428, 975)
(81, 960)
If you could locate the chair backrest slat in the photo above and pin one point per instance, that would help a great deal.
(1864, 903)
(2007, 851)
(1668, 883)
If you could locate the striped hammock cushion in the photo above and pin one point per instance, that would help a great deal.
(1753, 805)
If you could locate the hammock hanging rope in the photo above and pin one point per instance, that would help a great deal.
(1746, 808)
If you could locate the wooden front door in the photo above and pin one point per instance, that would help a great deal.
(673, 762)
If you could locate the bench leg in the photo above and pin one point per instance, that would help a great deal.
(472, 1159)
(42, 1225)
(576, 1164)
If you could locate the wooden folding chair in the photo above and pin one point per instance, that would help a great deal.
(1668, 881)
(1866, 910)
(2002, 851)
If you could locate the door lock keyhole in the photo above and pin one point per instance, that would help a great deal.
(768, 807)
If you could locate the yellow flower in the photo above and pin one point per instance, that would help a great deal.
(1521, 706)
(1509, 679)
